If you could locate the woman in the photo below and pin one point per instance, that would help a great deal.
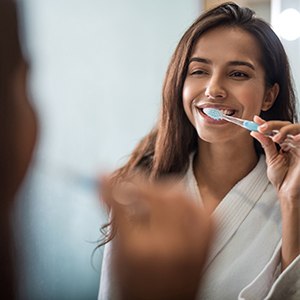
(17, 136)
(232, 61)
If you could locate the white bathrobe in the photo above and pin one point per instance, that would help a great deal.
(244, 261)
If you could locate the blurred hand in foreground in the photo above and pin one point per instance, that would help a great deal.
(161, 242)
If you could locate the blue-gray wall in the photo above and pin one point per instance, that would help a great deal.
(293, 47)
(97, 68)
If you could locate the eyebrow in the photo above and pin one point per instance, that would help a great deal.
(199, 59)
(231, 63)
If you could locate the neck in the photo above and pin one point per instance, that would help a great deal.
(218, 167)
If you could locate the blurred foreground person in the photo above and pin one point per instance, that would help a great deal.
(18, 133)
(161, 243)
(17, 137)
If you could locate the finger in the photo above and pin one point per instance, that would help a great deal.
(128, 222)
(297, 137)
(296, 140)
(287, 131)
(267, 144)
(270, 126)
(136, 201)
(163, 199)
(263, 125)
(156, 191)
(126, 193)
(131, 205)
(168, 203)
(258, 120)
(105, 191)
(296, 143)
(125, 204)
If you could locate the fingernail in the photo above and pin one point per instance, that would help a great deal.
(277, 137)
(263, 126)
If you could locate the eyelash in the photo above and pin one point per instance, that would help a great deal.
(240, 74)
(234, 74)
(198, 72)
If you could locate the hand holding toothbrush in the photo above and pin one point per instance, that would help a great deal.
(283, 170)
(283, 165)
(287, 141)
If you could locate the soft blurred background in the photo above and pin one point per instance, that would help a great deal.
(97, 68)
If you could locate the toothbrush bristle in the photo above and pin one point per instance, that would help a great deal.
(213, 113)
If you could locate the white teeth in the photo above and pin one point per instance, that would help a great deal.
(227, 112)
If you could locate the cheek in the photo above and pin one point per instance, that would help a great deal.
(188, 97)
(252, 102)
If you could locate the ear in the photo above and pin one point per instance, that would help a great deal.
(270, 97)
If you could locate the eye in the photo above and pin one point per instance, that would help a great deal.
(198, 72)
(239, 74)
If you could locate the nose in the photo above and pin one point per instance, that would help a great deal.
(215, 89)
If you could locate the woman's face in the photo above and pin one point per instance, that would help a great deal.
(225, 73)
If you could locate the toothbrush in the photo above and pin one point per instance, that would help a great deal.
(250, 125)
(217, 114)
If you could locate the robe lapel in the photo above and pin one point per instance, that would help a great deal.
(234, 208)
(237, 204)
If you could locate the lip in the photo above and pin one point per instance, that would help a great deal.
(206, 118)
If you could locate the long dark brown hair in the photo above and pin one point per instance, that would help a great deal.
(166, 149)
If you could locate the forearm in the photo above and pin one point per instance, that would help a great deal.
(290, 232)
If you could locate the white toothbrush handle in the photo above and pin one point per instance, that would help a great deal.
(272, 133)
(288, 143)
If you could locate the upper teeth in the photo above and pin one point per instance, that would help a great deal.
(227, 111)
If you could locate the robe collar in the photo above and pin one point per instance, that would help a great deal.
(235, 206)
